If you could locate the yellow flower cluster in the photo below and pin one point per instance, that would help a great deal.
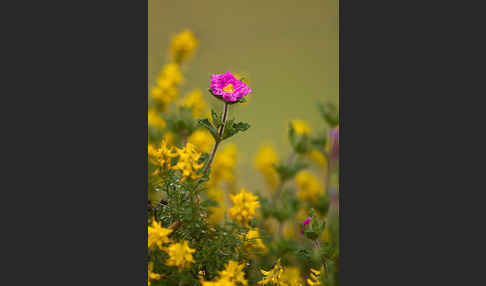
(223, 167)
(182, 46)
(154, 119)
(281, 276)
(291, 277)
(273, 276)
(245, 205)
(314, 279)
(265, 160)
(253, 241)
(180, 255)
(187, 164)
(194, 100)
(217, 212)
(165, 90)
(152, 275)
(222, 170)
(161, 156)
(300, 126)
(202, 139)
(232, 274)
(289, 230)
(308, 185)
(319, 158)
(158, 235)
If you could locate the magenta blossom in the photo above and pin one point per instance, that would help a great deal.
(305, 222)
(228, 87)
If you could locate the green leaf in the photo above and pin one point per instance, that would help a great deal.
(329, 113)
(216, 118)
(209, 203)
(315, 227)
(207, 124)
(241, 126)
(242, 100)
(291, 135)
(288, 172)
(232, 128)
(319, 142)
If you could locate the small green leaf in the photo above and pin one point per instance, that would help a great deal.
(291, 135)
(329, 113)
(209, 203)
(288, 172)
(232, 128)
(242, 100)
(241, 126)
(207, 124)
(216, 118)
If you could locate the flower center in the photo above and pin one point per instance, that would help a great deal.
(229, 88)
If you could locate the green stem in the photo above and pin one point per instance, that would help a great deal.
(219, 139)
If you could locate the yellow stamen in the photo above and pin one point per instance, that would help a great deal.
(229, 88)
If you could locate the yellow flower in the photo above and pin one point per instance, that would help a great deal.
(253, 240)
(155, 120)
(265, 159)
(180, 255)
(170, 75)
(187, 164)
(194, 100)
(217, 212)
(223, 167)
(158, 235)
(291, 277)
(274, 275)
(202, 139)
(161, 156)
(151, 274)
(314, 279)
(219, 282)
(325, 234)
(165, 90)
(183, 45)
(168, 137)
(233, 272)
(317, 156)
(244, 208)
(300, 126)
(308, 185)
(289, 230)
(164, 95)
(271, 225)
(302, 214)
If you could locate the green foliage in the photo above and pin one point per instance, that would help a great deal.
(288, 172)
(216, 118)
(204, 122)
(314, 229)
(182, 204)
(300, 143)
(231, 128)
(329, 113)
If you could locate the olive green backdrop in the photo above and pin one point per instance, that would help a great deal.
(289, 49)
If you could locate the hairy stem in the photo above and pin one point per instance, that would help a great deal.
(219, 139)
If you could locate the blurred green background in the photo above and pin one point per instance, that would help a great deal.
(289, 49)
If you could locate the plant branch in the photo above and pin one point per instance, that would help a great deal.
(219, 139)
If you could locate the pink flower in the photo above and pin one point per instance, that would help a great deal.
(228, 87)
(306, 221)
